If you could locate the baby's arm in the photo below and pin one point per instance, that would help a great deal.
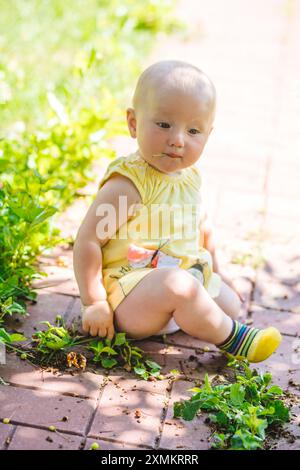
(97, 318)
(208, 239)
(208, 242)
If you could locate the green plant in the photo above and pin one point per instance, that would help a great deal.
(56, 338)
(52, 347)
(9, 340)
(241, 412)
(120, 351)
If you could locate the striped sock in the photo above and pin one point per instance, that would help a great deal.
(239, 340)
(245, 342)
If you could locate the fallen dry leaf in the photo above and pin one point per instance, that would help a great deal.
(77, 360)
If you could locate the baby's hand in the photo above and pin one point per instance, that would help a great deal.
(97, 319)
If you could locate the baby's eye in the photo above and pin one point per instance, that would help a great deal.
(163, 125)
(196, 131)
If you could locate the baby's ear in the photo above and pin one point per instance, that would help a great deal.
(131, 121)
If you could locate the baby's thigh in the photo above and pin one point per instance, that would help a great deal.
(228, 301)
(150, 305)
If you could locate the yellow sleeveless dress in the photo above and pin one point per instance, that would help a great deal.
(164, 230)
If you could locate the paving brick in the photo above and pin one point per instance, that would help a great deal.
(60, 280)
(27, 438)
(74, 315)
(290, 440)
(18, 372)
(284, 364)
(287, 322)
(40, 408)
(48, 306)
(182, 339)
(278, 296)
(282, 264)
(129, 414)
(194, 363)
(179, 434)
(5, 432)
(110, 445)
(154, 350)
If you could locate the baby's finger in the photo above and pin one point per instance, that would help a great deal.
(93, 331)
(111, 332)
(102, 332)
(85, 326)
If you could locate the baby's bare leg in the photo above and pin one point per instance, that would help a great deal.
(172, 291)
(228, 301)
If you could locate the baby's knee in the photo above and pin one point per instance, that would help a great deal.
(181, 284)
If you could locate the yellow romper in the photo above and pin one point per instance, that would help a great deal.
(162, 231)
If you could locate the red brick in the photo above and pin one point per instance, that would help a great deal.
(283, 364)
(179, 434)
(278, 296)
(116, 415)
(18, 372)
(44, 409)
(48, 306)
(194, 363)
(60, 280)
(286, 322)
(281, 264)
(5, 432)
(110, 445)
(27, 438)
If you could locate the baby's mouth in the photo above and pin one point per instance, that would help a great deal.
(170, 155)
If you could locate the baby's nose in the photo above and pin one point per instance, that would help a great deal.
(176, 139)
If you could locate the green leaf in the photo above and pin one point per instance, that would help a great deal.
(275, 390)
(190, 409)
(120, 339)
(109, 350)
(237, 394)
(243, 439)
(153, 365)
(281, 412)
(141, 372)
(44, 215)
(207, 386)
(15, 338)
(4, 336)
(108, 363)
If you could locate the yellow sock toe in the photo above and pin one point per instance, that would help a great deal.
(264, 344)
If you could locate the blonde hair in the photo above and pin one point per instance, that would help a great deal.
(174, 74)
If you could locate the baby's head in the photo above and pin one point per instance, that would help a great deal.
(172, 114)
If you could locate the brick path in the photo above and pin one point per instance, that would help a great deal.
(250, 182)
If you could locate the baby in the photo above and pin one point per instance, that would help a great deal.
(144, 256)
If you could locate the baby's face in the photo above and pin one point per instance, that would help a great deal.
(172, 129)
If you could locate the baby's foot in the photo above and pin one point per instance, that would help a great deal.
(249, 343)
